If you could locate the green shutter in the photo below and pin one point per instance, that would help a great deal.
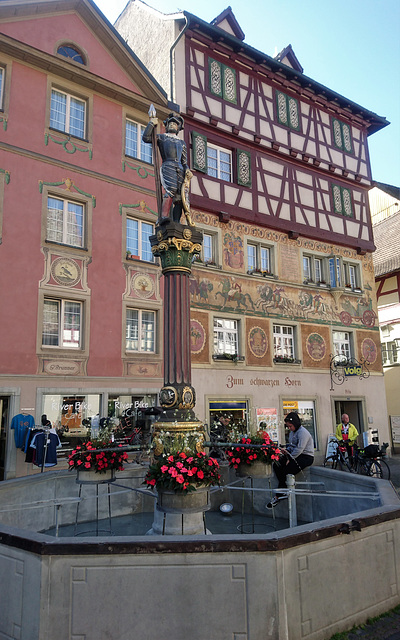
(199, 152)
(346, 137)
(215, 77)
(346, 199)
(282, 108)
(229, 84)
(244, 168)
(337, 133)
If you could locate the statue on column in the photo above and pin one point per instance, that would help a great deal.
(174, 172)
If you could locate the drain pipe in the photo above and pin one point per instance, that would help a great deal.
(291, 485)
(171, 61)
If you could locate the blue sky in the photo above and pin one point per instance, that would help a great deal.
(350, 46)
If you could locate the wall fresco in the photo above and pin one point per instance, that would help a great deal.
(258, 349)
(317, 346)
(199, 337)
(369, 347)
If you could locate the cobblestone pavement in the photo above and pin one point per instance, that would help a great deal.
(387, 628)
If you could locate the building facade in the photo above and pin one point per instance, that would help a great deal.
(283, 296)
(385, 214)
(81, 305)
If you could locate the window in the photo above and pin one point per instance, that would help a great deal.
(283, 342)
(70, 52)
(138, 235)
(222, 81)
(390, 353)
(219, 163)
(342, 201)
(225, 336)
(287, 111)
(134, 145)
(312, 269)
(68, 113)
(351, 275)
(140, 330)
(62, 324)
(2, 78)
(342, 135)
(259, 258)
(65, 222)
(342, 345)
(335, 271)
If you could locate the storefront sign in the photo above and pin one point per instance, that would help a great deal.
(292, 383)
(352, 371)
(234, 382)
(264, 382)
(62, 367)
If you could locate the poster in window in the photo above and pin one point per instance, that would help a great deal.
(267, 420)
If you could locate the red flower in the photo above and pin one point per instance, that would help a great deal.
(152, 482)
(180, 479)
(182, 455)
(200, 474)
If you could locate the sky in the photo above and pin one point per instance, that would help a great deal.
(350, 46)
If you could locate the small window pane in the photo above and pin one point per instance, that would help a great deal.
(55, 209)
(132, 330)
(2, 73)
(147, 338)
(252, 256)
(50, 323)
(131, 136)
(146, 151)
(147, 231)
(318, 269)
(207, 247)
(265, 262)
(72, 324)
(58, 110)
(306, 267)
(132, 236)
(77, 118)
(75, 224)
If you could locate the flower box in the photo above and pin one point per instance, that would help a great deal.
(91, 476)
(286, 360)
(228, 356)
(258, 469)
(174, 502)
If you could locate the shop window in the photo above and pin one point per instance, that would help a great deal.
(342, 202)
(71, 52)
(222, 80)
(65, 222)
(134, 145)
(287, 111)
(342, 346)
(138, 235)
(140, 330)
(68, 113)
(342, 135)
(70, 413)
(226, 340)
(62, 324)
(306, 411)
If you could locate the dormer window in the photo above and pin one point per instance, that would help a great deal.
(70, 52)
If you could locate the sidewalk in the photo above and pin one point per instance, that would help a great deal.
(387, 628)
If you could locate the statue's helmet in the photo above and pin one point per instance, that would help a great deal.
(174, 117)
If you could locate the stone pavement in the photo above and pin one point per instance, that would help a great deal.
(387, 628)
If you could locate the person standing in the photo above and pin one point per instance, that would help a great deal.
(347, 434)
(298, 455)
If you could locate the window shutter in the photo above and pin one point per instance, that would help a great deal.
(337, 133)
(199, 147)
(347, 138)
(294, 113)
(244, 168)
(229, 88)
(282, 108)
(215, 75)
(337, 199)
(347, 208)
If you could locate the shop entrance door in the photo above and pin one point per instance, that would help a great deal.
(354, 409)
(4, 412)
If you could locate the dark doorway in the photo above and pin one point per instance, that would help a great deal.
(354, 410)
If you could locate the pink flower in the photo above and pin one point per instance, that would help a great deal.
(179, 465)
(180, 479)
(164, 468)
(170, 458)
(189, 460)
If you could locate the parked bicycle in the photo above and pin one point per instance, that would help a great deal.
(367, 462)
(370, 462)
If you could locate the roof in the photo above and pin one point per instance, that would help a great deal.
(228, 15)
(288, 53)
(386, 236)
(391, 190)
(373, 121)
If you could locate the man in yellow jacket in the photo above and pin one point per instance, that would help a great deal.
(347, 434)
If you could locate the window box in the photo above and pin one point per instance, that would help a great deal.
(286, 360)
(308, 281)
(129, 256)
(322, 284)
(228, 356)
(357, 290)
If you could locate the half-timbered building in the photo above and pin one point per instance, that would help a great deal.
(283, 295)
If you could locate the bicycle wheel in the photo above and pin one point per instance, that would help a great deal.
(385, 469)
(330, 462)
(375, 469)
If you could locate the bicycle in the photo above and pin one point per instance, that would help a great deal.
(369, 461)
(339, 457)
